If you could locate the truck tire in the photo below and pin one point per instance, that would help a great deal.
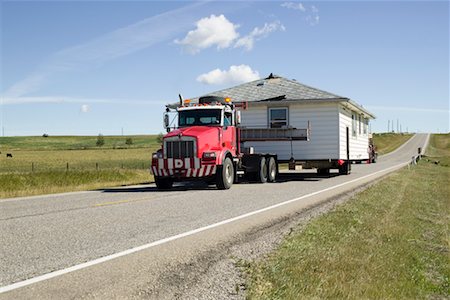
(345, 169)
(323, 171)
(225, 175)
(261, 175)
(272, 170)
(163, 183)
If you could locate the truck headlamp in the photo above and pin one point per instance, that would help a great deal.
(209, 155)
(157, 155)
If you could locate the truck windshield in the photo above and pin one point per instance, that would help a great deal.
(199, 117)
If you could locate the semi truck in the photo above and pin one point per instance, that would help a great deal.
(207, 144)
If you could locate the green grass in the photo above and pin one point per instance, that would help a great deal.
(388, 142)
(26, 184)
(59, 164)
(388, 242)
(34, 143)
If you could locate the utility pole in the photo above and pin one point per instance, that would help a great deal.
(122, 131)
(389, 122)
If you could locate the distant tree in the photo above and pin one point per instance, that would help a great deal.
(129, 141)
(45, 135)
(159, 138)
(100, 140)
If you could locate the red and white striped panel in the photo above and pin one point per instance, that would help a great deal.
(193, 167)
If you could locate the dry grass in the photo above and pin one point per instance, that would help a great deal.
(27, 184)
(389, 242)
(39, 165)
(388, 142)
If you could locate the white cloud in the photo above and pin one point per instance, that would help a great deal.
(313, 18)
(84, 108)
(236, 74)
(117, 43)
(212, 31)
(312, 13)
(259, 33)
(295, 6)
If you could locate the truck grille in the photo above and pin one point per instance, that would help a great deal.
(180, 149)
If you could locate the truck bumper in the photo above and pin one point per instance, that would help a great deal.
(181, 168)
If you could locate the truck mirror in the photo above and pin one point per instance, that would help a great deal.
(238, 117)
(166, 120)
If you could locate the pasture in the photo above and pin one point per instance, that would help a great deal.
(41, 165)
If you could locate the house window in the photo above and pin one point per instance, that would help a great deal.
(360, 120)
(278, 117)
(353, 124)
(366, 122)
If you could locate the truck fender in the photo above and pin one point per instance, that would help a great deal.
(222, 156)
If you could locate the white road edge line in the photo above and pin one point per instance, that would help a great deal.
(54, 274)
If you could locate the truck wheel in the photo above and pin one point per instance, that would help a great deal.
(323, 171)
(272, 170)
(225, 175)
(345, 169)
(262, 171)
(163, 183)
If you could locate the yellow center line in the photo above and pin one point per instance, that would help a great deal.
(121, 202)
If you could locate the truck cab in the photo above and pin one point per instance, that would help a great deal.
(201, 146)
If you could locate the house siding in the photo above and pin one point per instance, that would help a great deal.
(324, 137)
(358, 143)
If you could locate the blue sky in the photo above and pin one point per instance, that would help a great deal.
(89, 67)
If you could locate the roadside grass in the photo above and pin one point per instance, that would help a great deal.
(439, 149)
(388, 142)
(57, 160)
(27, 184)
(390, 241)
(75, 142)
(57, 164)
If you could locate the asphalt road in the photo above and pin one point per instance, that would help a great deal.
(51, 233)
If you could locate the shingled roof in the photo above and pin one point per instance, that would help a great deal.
(274, 88)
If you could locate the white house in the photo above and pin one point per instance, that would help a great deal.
(338, 126)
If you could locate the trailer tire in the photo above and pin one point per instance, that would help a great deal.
(163, 183)
(272, 170)
(345, 169)
(225, 175)
(261, 175)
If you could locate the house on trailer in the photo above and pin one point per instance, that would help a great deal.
(336, 127)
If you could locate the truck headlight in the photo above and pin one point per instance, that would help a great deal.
(209, 155)
(157, 155)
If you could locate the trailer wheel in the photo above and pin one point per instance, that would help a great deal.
(345, 169)
(163, 183)
(272, 170)
(261, 175)
(225, 175)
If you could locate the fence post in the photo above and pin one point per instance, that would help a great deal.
(32, 167)
(96, 166)
(67, 167)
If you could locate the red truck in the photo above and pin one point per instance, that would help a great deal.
(207, 145)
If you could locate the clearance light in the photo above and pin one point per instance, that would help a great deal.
(186, 102)
(228, 100)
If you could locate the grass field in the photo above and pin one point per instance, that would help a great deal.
(388, 142)
(58, 164)
(388, 242)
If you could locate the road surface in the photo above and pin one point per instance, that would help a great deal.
(128, 242)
